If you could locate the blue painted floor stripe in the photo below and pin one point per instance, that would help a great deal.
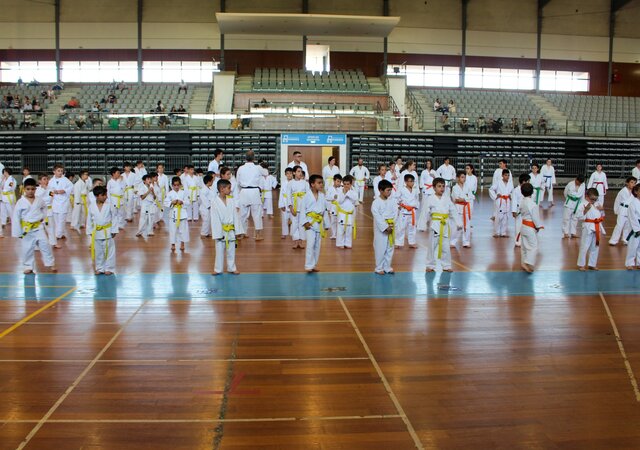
(300, 286)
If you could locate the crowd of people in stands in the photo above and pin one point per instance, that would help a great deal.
(484, 124)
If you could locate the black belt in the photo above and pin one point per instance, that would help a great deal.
(250, 187)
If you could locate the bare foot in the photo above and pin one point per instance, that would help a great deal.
(28, 272)
(413, 246)
(309, 270)
(379, 273)
(315, 270)
(630, 267)
(582, 269)
(283, 237)
(182, 247)
(428, 269)
(215, 274)
(593, 268)
(97, 273)
(53, 269)
(57, 246)
(391, 271)
(173, 248)
(108, 273)
(235, 272)
(447, 270)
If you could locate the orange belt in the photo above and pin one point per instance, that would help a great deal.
(597, 223)
(504, 198)
(428, 186)
(604, 191)
(413, 212)
(466, 212)
(528, 223)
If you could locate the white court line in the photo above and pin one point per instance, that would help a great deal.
(250, 420)
(77, 381)
(387, 386)
(627, 364)
(154, 361)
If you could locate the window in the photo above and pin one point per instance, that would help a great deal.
(175, 71)
(436, 76)
(43, 71)
(551, 80)
(509, 79)
(99, 71)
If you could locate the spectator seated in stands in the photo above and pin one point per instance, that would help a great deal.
(112, 99)
(131, 122)
(63, 116)
(495, 126)
(37, 109)
(464, 125)
(7, 119)
(528, 125)
(452, 107)
(27, 122)
(437, 105)
(481, 125)
(96, 108)
(445, 122)
(182, 87)
(94, 119)
(59, 86)
(180, 114)
(163, 122)
(73, 103)
(122, 87)
(246, 121)
(34, 83)
(80, 121)
(515, 126)
(542, 125)
(27, 106)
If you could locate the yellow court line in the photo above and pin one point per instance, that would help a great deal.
(35, 313)
(627, 364)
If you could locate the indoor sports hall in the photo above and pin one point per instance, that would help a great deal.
(306, 224)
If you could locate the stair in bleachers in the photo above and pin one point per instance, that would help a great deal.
(554, 115)
(376, 86)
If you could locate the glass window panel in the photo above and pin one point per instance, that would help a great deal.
(526, 80)
(128, 71)
(491, 78)
(152, 71)
(547, 80)
(563, 81)
(509, 79)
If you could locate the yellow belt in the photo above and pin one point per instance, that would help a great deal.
(84, 203)
(126, 190)
(179, 213)
(442, 218)
(347, 214)
(28, 227)
(72, 199)
(319, 219)
(46, 219)
(97, 228)
(296, 196)
(193, 190)
(11, 196)
(392, 235)
(119, 197)
(227, 228)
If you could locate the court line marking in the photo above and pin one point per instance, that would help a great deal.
(627, 364)
(249, 420)
(77, 381)
(173, 361)
(35, 313)
(383, 378)
(240, 322)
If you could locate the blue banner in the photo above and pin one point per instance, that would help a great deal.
(313, 139)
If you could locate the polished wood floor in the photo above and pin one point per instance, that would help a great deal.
(548, 370)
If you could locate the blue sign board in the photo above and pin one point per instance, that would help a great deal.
(313, 139)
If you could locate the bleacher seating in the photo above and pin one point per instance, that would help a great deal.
(475, 103)
(137, 98)
(596, 108)
(296, 80)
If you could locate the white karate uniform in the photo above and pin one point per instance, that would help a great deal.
(297, 190)
(635, 172)
(376, 182)
(214, 167)
(249, 181)
(471, 183)
(164, 188)
(311, 204)
(283, 202)
(148, 209)
(407, 218)
(331, 195)
(501, 194)
(27, 224)
(269, 183)
(225, 215)
(115, 198)
(80, 206)
(385, 214)
(178, 224)
(516, 200)
(426, 189)
(416, 180)
(361, 175)
(43, 194)
(206, 197)
(537, 181)
(599, 181)
(346, 219)
(633, 248)
(549, 175)
(621, 209)
(529, 212)
(440, 230)
(190, 185)
(128, 202)
(497, 178)
(140, 172)
(7, 199)
(573, 198)
(328, 173)
(588, 239)
(448, 173)
(60, 204)
(104, 244)
(461, 197)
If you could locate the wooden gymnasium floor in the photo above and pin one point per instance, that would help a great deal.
(164, 356)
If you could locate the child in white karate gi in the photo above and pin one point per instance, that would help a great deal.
(440, 212)
(177, 202)
(226, 227)
(345, 206)
(27, 224)
(102, 229)
(592, 213)
(384, 210)
(313, 214)
(531, 225)
(500, 192)
(408, 203)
